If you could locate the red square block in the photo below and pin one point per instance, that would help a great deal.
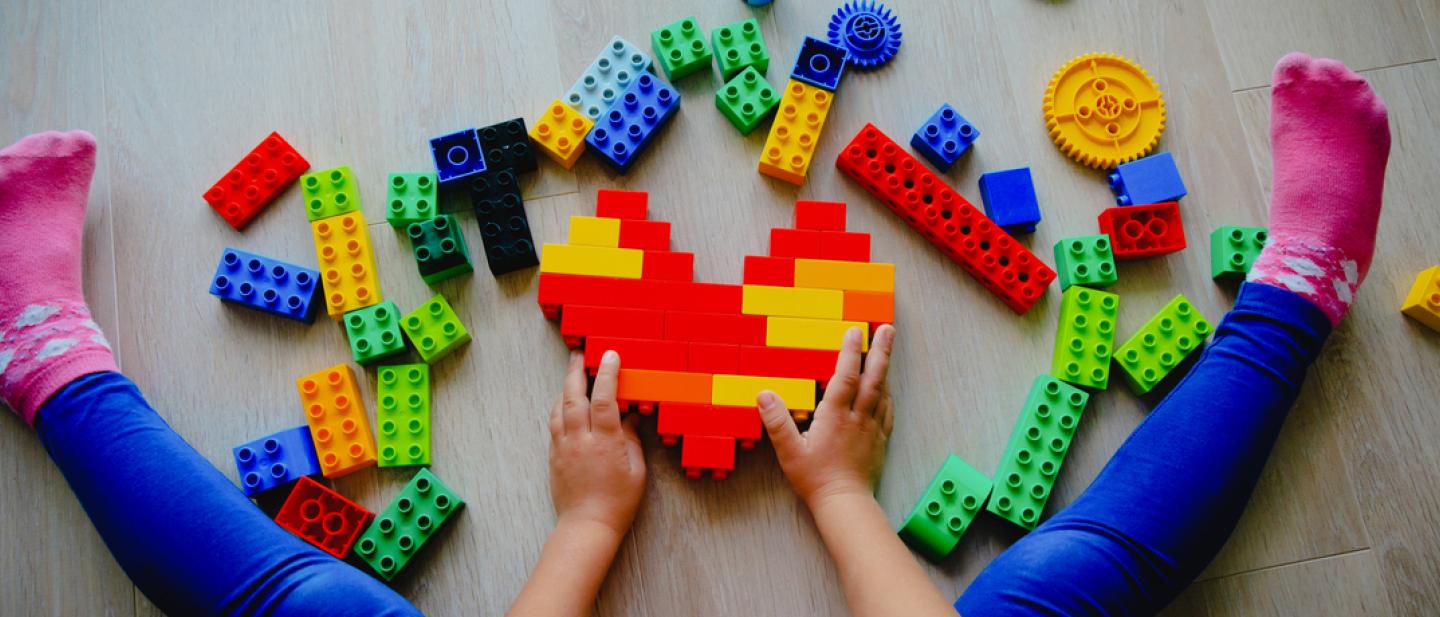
(581, 321)
(713, 358)
(714, 327)
(322, 517)
(1137, 232)
(765, 270)
(844, 246)
(801, 243)
(647, 235)
(617, 204)
(668, 266)
(820, 215)
(653, 354)
(700, 453)
(255, 181)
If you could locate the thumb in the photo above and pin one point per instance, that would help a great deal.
(783, 433)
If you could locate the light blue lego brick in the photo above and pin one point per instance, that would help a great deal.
(266, 284)
(617, 66)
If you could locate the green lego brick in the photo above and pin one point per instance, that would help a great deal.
(746, 100)
(1036, 451)
(1233, 250)
(946, 509)
(680, 49)
(374, 333)
(403, 528)
(434, 329)
(1159, 346)
(1085, 260)
(410, 199)
(1085, 337)
(328, 193)
(439, 248)
(402, 409)
(738, 46)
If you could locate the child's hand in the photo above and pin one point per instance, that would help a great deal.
(597, 469)
(844, 450)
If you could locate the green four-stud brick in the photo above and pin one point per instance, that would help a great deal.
(1085, 260)
(402, 409)
(739, 45)
(1233, 250)
(1161, 344)
(406, 524)
(328, 193)
(434, 329)
(374, 333)
(1036, 451)
(1085, 337)
(746, 100)
(680, 48)
(410, 199)
(946, 509)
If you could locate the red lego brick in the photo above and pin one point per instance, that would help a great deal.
(701, 453)
(701, 297)
(676, 420)
(580, 321)
(713, 358)
(648, 235)
(817, 364)
(652, 354)
(255, 181)
(844, 246)
(322, 517)
(715, 327)
(947, 220)
(668, 266)
(820, 215)
(559, 290)
(803, 243)
(1137, 232)
(765, 270)
(617, 204)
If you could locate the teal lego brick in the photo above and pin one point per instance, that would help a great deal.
(1176, 331)
(439, 249)
(1085, 337)
(410, 199)
(407, 524)
(1233, 250)
(1036, 451)
(402, 410)
(746, 100)
(374, 333)
(1085, 260)
(328, 193)
(434, 329)
(680, 49)
(946, 509)
(739, 46)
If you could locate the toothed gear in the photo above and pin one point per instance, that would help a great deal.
(1103, 110)
(867, 30)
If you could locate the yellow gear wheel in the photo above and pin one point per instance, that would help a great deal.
(1103, 110)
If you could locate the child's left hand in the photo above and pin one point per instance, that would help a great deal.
(597, 468)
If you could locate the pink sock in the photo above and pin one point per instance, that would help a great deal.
(1331, 140)
(47, 338)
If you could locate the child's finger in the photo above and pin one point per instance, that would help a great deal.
(576, 408)
(885, 413)
(604, 413)
(877, 366)
(557, 424)
(783, 433)
(841, 389)
(630, 429)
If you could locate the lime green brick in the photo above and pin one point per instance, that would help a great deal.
(1161, 344)
(739, 46)
(746, 100)
(1233, 250)
(403, 528)
(328, 193)
(374, 333)
(1037, 448)
(1085, 260)
(946, 509)
(1085, 337)
(680, 48)
(402, 410)
(434, 329)
(410, 199)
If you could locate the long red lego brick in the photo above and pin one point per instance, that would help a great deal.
(700, 297)
(817, 364)
(676, 420)
(766, 270)
(653, 354)
(668, 266)
(648, 235)
(580, 321)
(255, 181)
(713, 358)
(715, 327)
(700, 453)
(945, 218)
(1137, 232)
(559, 290)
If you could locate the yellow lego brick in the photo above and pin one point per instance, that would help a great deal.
(792, 302)
(336, 415)
(740, 391)
(560, 132)
(795, 132)
(1423, 302)
(812, 333)
(347, 265)
(594, 231)
(845, 275)
(592, 260)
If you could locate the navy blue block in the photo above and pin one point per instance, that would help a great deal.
(624, 130)
(1010, 200)
(819, 63)
(944, 137)
(276, 460)
(265, 284)
(457, 155)
(1151, 180)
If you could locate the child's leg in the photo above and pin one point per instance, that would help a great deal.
(1165, 504)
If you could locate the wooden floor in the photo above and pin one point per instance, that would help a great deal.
(1343, 521)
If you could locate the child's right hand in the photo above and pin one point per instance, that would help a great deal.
(843, 452)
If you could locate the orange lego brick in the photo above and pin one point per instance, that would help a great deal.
(875, 307)
(643, 388)
(336, 415)
(347, 265)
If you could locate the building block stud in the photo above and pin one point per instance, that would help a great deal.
(1037, 448)
(819, 64)
(410, 198)
(268, 285)
(439, 248)
(506, 145)
(739, 46)
(434, 329)
(680, 48)
(944, 137)
(1138, 232)
(795, 133)
(946, 509)
(630, 125)
(347, 264)
(336, 415)
(402, 413)
(1423, 302)
(276, 460)
(322, 517)
(560, 133)
(746, 99)
(1085, 338)
(404, 526)
(1009, 198)
(329, 193)
(612, 71)
(457, 155)
(1176, 331)
(1150, 180)
(374, 333)
(1085, 260)
(255, 181)
(1234, 249)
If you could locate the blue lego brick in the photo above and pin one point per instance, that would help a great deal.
(819, 64)
(1151, 180)
(276, 460)
(457, 155)
(612, 71)
(631, 123)
(1010, 200)
(944, 137)
(266, 284)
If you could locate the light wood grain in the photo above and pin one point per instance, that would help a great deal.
(1346, 585)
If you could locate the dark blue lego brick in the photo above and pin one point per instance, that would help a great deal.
(625, 129)
(1010, 200)
(1151, 180)
(457, 155)
(944, 137)
(266, 284)
(276, 460)
(867, 30)
(819, 63)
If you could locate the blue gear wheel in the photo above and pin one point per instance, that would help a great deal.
(867, 30)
